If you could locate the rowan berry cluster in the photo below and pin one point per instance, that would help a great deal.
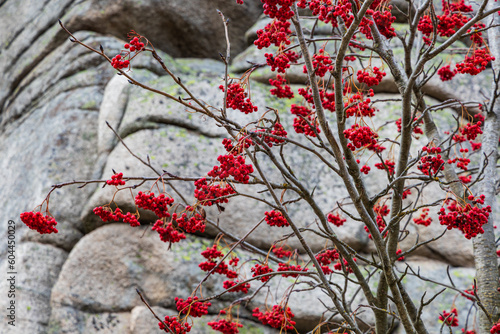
(195, 223)
(423, 219)
(306, 119)
(237, 99)
(278, 317)
(360, 136)
(38, 222)
(211, 194)
(431, 163)
(135, 45)
(322, 63)
(116, 180)
(231, 286)
(106, 215)
(192, 306)
(445, 73)
(288, 267)
(371, 79)
(275, 218)
(348, 269)
(476, 63)
(465, 179)
(283, 13)
(259, 269)
(462, 163)
(159, 205)
(276, 33)
(325, 258)
(174, 325)
(224, 326)
(388, 166)
(279, 252)
(280, 91)
(231, 165)
(243, 143)
(211, 254)
(450, 318)
(384, 21)
(324, 10)
(365, 169)
(357, 106)
(335, 219)
(118, 62)
(471, 131)
(495, 329)
(468, 219)
(167, 232)
(417, 130)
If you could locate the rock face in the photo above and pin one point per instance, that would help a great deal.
(55, 97)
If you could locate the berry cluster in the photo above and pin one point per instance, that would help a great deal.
(225, 326)
(259, 269)
(322, 63)
(468, 219)
(384, 21)
(135, 45)
(430, 163)
(275, 218)
(283, 13)
(230, 286)
(276, 318)
(276, 33)
(231, 165)
(280, 91)
(475, 64)
(167, 232)
(450, 318)
(348, 269)
(106, 214)
(36, 221)
(416, 129)
(360, 136)
(465, 179)
(192, 224)
(471, 131)
(423, 219)
(445, 73)
(365, 169)
(280, 62)
(335, 219)
(243, 143)
(326, 258)
(236, 99)
(118, 62)
(461, 162)
(211, 254)
(192, 306)
(495, 329)
(116, 180)
(388, 166)
(159, 205)
(280, 252)
(357, 106)
(208, 195)
(174, 325)
(371, 79)
(288, 267)
(302, 124)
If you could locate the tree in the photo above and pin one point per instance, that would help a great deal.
(333, 125)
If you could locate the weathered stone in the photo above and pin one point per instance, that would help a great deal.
(36, 269)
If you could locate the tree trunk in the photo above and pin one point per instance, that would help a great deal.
(484, 244)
